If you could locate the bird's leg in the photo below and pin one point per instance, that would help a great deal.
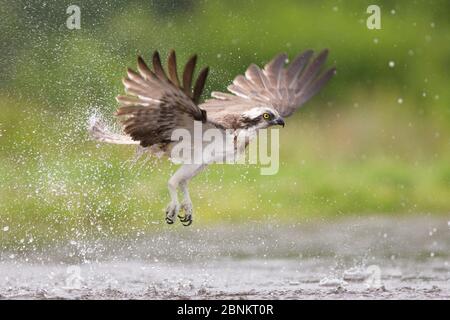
(180, 179)
(174, 206)
(186, 204)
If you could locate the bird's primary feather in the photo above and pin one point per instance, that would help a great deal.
(283, 88)
(156, 104)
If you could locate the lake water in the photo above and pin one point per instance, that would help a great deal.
(355, 258)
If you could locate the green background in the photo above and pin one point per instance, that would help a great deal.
(376, 140)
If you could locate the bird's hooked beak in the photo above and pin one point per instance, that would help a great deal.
(279, 121)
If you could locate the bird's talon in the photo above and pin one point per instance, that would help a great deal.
(186, 220)
(169, 221)
(186, 223)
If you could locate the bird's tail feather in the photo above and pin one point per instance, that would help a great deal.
(99, 131)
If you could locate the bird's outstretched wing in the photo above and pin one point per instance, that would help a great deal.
(158, 103)
(284, 88)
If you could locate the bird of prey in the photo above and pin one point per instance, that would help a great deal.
(157, 103)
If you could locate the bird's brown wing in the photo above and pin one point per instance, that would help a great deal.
(283, 88)
(157, 103)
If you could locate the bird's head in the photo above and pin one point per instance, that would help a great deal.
(261, 117)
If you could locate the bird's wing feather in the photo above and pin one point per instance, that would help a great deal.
(283, 88)
(157, 103)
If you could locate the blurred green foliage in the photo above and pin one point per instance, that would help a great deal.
(376, 140)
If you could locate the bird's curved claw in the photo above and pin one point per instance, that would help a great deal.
(169, 221)
(187, 224)
(185, 220)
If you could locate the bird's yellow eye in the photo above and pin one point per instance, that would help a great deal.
(266, 115)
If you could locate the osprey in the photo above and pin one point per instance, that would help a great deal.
(157, 103)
